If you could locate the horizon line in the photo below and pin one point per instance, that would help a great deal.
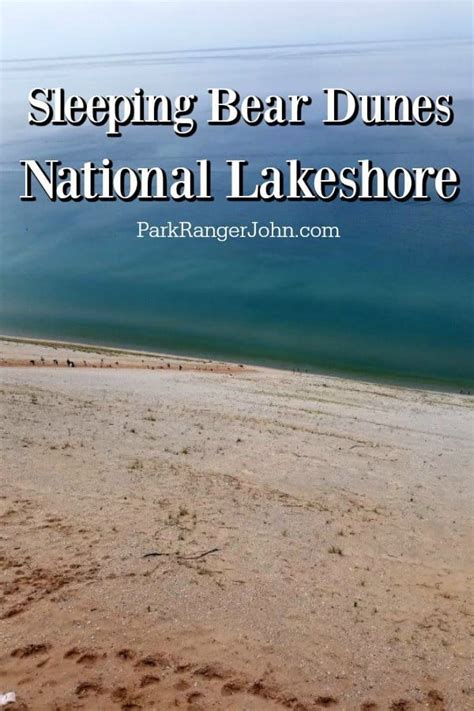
(235, 49)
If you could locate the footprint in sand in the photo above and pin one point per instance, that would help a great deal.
(88, 658)
(88, 688)
(232, 687)
(149, 679)
(326, 701)
(435, 701)
(30, 650)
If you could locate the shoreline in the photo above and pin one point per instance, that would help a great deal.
(26, 352)
(415, 384)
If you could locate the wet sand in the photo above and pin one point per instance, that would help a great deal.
(192, 534)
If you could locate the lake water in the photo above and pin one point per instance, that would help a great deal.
(391, 299)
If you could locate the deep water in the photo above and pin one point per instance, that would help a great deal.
(391, 299)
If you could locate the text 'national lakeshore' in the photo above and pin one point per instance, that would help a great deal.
(363, 181)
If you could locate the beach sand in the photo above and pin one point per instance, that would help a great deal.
(310, 537)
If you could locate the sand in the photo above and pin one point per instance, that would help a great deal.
(310, 537)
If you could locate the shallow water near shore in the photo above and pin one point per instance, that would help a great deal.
(391, 299)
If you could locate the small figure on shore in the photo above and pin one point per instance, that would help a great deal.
(70, 363)
(32, 362)
(55, 361)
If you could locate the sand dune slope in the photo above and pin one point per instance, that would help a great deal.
(310, 538)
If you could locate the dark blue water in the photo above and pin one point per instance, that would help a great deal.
(392, 298)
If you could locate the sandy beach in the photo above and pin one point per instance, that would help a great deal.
(182, 533)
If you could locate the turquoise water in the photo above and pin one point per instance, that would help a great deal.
(392, 298)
